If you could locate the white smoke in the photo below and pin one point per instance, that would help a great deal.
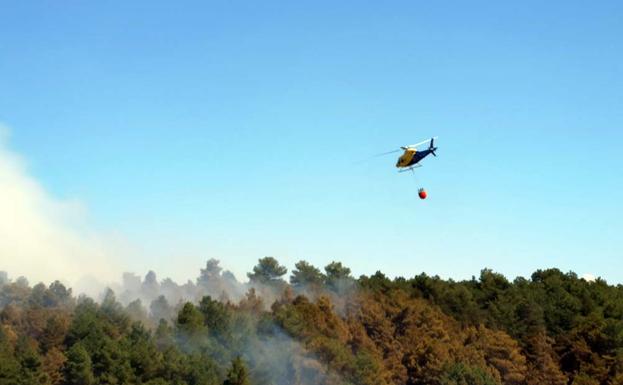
(588, 277)
(42, 237)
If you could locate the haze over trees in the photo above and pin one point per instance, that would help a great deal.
(315, 326)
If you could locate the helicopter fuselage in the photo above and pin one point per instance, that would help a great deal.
(412, 157)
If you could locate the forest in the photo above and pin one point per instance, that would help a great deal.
(314, 326)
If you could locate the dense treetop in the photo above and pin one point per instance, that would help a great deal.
(323, 327)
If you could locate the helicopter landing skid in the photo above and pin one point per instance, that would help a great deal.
(410, 168)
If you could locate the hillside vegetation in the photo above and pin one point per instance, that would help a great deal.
(321, 327)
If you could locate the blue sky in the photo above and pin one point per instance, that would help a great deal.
(234, 130)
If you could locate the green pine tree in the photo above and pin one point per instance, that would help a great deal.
(237, 374)
(78, 369)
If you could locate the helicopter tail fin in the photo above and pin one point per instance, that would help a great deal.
(432, 147)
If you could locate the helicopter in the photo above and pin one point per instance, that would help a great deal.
(412, 157)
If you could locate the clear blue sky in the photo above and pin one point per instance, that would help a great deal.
(234, 129)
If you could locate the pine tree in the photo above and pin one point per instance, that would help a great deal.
(78, 369)
(237, 374)
(266, 271)
(306, 274)
(9, 366)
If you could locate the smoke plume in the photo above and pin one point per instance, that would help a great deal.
(42, 237)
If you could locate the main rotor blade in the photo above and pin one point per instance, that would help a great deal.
(377, 155)
(387, 153)
(422, 142)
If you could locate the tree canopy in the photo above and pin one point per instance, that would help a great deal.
(323, 328)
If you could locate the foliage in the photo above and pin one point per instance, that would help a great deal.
(324, 328)
(305, 275)
(237, 374)
(267, 270)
